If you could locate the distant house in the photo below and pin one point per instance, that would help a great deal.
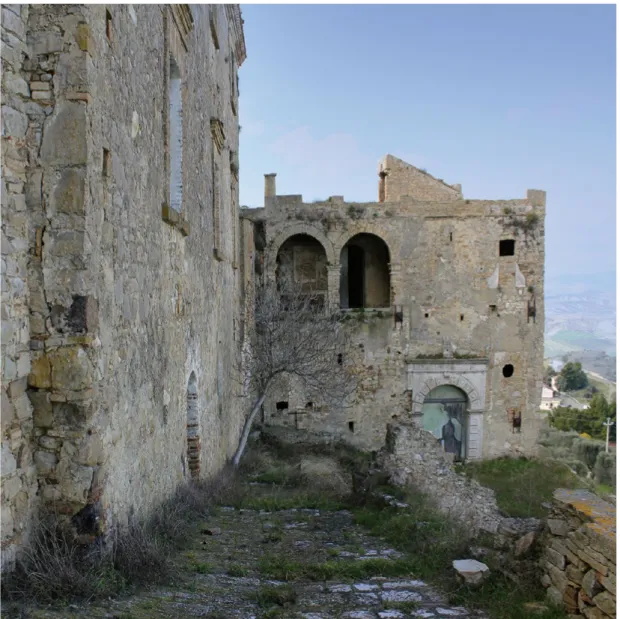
(550, 399)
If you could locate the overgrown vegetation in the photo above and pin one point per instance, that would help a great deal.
(56, 568)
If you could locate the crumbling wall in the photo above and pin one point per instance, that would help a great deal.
(453, 294)
(579, 560)
(399, 179)
(413, 457)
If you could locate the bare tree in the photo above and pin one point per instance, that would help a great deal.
(295, 335)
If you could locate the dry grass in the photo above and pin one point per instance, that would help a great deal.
(56, 568)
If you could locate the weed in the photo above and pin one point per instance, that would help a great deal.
(282, 595)
(200, 567)
(237, 571)
(406, 607)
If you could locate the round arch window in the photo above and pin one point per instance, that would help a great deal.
(508, 370)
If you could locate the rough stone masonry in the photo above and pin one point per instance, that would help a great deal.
(448, 297)
(122, 276)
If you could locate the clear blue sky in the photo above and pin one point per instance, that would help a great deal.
(499, 98)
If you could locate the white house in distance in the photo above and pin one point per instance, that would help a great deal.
(550, 399)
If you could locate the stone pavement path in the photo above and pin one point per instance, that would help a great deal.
(226, 577)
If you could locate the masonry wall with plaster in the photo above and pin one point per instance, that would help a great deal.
(448, 295)
(122, 292)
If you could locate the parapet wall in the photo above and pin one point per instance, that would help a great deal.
(579, 560)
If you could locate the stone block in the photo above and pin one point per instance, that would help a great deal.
(84, 39)
(470, 571)
(46, 42)
(7, 411)
(554, 596)
(74, 481)
(555, 558)
(593, 562)
(14, 83)
(558, 527)
(606, 602)
(9, 463)
(72, 370)
(64, 135)
(18, 387)
(23, 408)
(45, 462)
(40, 372)
(68, 195)
(13, 23)
(11, 487)
(574, 574)
(525, 544)
(609, 582)
(14, 123)
(41, 95)
(42, 409)
(593, 612)
(591, 584)
(66, 243)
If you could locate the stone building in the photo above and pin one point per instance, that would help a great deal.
(121, 278)
(448, 295)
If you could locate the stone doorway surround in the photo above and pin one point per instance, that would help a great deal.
(470, 375)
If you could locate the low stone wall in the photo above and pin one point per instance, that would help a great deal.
(579, 558)
(411, 456)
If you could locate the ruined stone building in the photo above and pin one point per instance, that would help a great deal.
(121, 265)
(447, 294)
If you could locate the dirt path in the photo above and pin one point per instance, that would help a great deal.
(238, 570)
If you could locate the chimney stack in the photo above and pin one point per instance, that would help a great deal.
(270, 185)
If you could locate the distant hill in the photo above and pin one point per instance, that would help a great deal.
(580, 315)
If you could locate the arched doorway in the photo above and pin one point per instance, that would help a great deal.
(193, 428)
(444, 414)
(301, 264)
(365, 273)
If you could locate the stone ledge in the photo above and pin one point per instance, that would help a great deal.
(175, 219)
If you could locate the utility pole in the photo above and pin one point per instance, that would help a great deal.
(608, 425)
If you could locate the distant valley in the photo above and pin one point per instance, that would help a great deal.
(580, 315)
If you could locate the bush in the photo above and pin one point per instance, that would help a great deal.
(553, 438)
(605, 469)
(578, 466)
(587, 451)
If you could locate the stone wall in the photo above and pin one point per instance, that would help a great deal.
(579, 560)
(453, 295)
(19, 486)
(131, 302)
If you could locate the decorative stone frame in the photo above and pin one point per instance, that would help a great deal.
(178, 24)
(469, 375)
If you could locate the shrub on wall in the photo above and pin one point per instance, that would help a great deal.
(587, 451)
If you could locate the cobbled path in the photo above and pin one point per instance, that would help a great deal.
(223, 574)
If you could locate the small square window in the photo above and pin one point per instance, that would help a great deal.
(507, 247)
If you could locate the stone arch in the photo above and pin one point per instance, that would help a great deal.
(362, 227)
(193, 427)
(302, 261)
(474, 402)
(302, 228)
(365, 275)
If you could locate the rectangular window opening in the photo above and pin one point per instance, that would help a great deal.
(450, 237)
(108, 25)
(507, 247)
(339, 358)
(107, 163)
(351, 426)
(282, 406)
(462, 317)
(309, 404)
(176, 136)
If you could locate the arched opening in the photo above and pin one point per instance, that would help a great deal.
(301, 263)
(193, 428)
(444, 414)
(365, 273)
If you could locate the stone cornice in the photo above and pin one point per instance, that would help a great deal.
(460, 361)
(233, 12)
